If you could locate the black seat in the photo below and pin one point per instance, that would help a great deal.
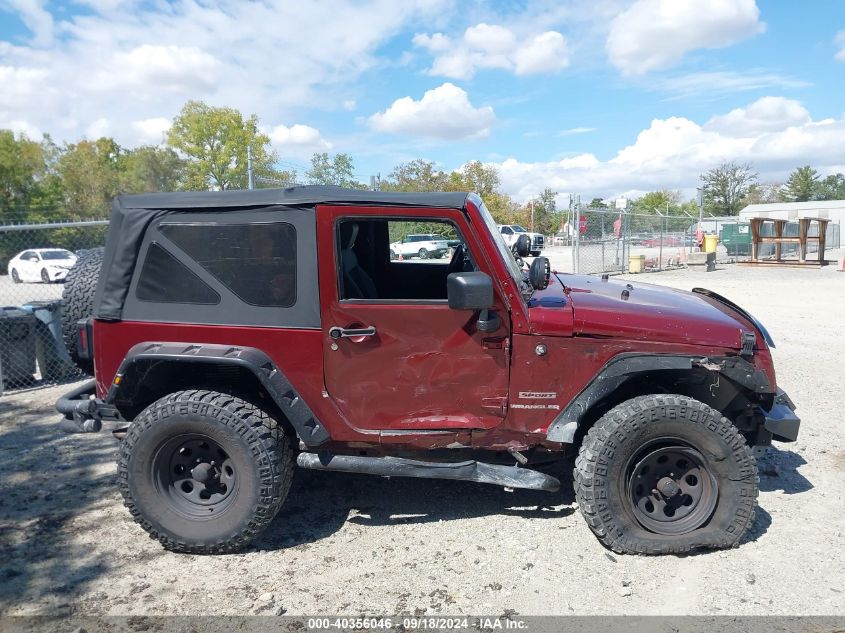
(357, 283)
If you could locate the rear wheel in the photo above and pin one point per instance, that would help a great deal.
(666, 474)
(16, 278)
(423, 253)
(204, 472)
(393, 255)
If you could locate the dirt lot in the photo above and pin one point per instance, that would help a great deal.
(358, 545)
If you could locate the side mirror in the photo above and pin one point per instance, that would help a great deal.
(469, 291)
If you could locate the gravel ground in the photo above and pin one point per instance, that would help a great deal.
(354, 545)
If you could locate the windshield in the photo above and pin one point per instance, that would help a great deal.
(518, 229)
(504, 251)
(56, 254)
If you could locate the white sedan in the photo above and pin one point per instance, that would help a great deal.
(422, 246)
(41, 264)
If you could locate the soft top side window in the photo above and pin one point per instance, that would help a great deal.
(256, 261)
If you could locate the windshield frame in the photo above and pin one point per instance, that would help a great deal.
(504, 252)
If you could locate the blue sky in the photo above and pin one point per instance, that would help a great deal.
(601, 98)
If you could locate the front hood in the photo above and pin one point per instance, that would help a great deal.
(604, 307)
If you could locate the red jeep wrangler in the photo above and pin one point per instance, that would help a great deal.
(241, 333)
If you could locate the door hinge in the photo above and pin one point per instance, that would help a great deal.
(497, 406)
(499, 342)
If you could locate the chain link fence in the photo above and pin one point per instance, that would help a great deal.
(610, 241)
(34, 260)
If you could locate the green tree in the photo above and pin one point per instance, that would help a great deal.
(725, 187)
(801, 185)
(477, 177)
(763, 193)
(598, 203)
(90, 173)
(831, 188)
(215, 141)
(149, 168)
(29, 185)
(657, 202)
(416, 175)
(336, 170)
(546, 217)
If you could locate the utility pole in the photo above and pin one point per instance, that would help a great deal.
(700, 206)
(532, 214)
(249, 171)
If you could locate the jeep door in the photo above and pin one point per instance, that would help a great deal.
(396, 357)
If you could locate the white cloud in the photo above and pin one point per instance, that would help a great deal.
(773, 133)
(576, 130)
(129, 62)
(23, 127)
(20, 84)
(544, 53)
(768, 114)
(839, 40)
(297, 140)
(151, 131)
(36, 18)
(98, 129)
(713, 84)
(654, 34)
(486, 46)
(444, 112)
(160, 67)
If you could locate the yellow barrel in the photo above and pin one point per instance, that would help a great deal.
(636, 263)
(710, 242)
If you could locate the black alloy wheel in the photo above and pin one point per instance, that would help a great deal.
(671, 489)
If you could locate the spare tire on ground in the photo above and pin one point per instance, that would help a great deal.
(78, 300)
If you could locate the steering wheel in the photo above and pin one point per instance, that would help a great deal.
(456, 265)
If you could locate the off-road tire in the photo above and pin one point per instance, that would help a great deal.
(623, 432)
(78, 300)
(16, 278)
(257, 445)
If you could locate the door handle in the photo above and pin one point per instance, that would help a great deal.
(336, 332)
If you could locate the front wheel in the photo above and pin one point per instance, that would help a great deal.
(16, 278)
(423, 253)
(666, 474)
(204, 472)
(45, 276)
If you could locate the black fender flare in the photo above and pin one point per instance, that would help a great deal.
(309, 429)
(623, 366)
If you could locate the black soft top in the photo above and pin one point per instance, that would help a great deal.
(132, 214)
(303, 196)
